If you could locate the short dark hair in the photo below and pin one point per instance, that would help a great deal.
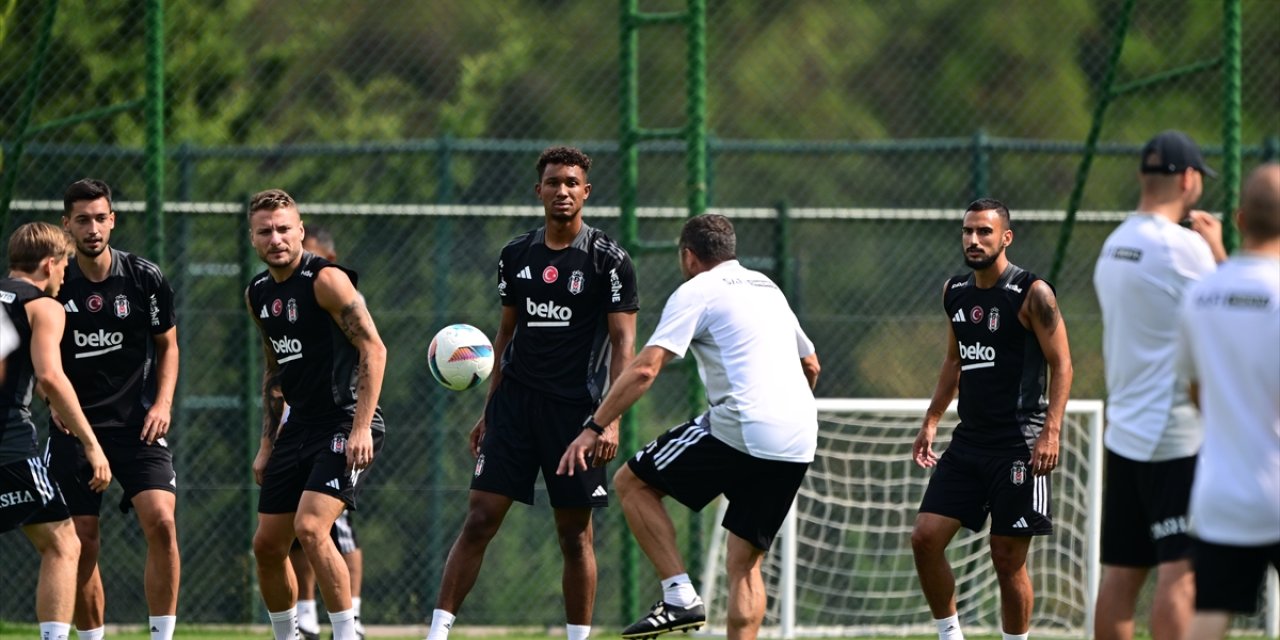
(1260, 203)
(86, 189)
(271, 200)
(710, 237)
(322, 237)
(565, 156)
(990, 204)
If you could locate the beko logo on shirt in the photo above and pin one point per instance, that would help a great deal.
(555, 315)
(290, 348)
(102, 341)
(986, 356)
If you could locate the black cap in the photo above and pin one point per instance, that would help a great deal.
(1173, 152)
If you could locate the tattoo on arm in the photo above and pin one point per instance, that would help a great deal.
(1045, 307)
(272, 404)
(353, 317)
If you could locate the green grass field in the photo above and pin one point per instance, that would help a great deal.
(261, 632)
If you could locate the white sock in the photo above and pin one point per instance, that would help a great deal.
(441, 622)
(577, 631)
(344, 624)
(284, 624)
(678, 590)
(355, 606)
(949, 628)
(1005, 635)
(92, 634)
(162, 627)
(54, 630)
(308, 619)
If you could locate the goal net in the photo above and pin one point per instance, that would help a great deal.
(842, 564)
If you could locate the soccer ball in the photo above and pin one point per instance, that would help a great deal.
(460, 356)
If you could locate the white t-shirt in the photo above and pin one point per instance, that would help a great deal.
(1229, 343)
(1145, 266)
(748, 345)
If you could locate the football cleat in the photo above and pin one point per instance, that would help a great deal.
(665, 618)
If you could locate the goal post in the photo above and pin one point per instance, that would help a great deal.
(842, 563)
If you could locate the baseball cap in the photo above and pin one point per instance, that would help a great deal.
(1173, 152)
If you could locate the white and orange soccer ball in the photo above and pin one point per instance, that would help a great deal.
(460, 356)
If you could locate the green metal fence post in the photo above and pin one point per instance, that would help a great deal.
(11, 163)
(443, 241)
(981, 178)
(1231, 55)
(155, 132)
(251, 403)
(629, 177)
(1105, 94)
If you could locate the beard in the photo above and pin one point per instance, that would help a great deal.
(978, 264)
(91, 253)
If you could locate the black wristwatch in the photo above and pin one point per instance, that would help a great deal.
(592, 425)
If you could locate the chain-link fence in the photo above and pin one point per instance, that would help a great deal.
(871, 123)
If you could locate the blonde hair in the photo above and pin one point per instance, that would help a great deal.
(35, 242)
(271, 200)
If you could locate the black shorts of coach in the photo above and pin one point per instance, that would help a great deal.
(694, 467)
(311, 458)
(969, 485)
(527, 430)
(1144, 511)
(1230, 578)
(28, 495)
(136, 465)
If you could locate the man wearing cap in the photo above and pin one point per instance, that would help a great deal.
(1153, 430)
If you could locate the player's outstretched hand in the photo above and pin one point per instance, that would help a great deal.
(260, 464)
(922, 450)
(606, 445)
(156, 424)
(477, 436)
(101, 469)
(359, 449)
(1044, 457)
(580, 452)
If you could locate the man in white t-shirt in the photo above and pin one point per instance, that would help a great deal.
(1229, 347)
(1153, 431)
(753, 445)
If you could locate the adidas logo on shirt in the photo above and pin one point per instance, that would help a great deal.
(525, 274)
(1020, 524)
(334, 484)
(599, 492)
(264, 312)
(71, 307)
(958, 317)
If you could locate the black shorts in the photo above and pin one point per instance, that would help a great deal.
(138, 467)
(1144, 511)
(343, 534)
(526, 430)
(694, 467)
(967, 485)
(28, 495)
(311, 459)
(1230, 578)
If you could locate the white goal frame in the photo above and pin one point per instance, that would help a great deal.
(787, 548)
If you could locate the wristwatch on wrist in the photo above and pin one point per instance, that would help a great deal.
(592, 425)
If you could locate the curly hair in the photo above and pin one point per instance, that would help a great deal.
(565, 156)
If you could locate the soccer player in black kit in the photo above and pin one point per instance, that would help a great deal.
(120, 350)
(322, 350)
(568, 328)
(38, 253)
(1004, 328)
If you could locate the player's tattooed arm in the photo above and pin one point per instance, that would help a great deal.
(1043, 307)
(1051, 333)
(336, 294)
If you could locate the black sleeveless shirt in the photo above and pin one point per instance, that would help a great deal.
(1003, 373)
(317, 363)
(17, 431)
